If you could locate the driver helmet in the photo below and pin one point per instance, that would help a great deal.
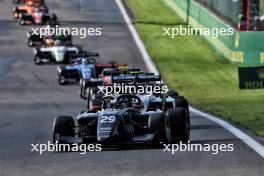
(110, 103)
(124, 102)
(49, 39)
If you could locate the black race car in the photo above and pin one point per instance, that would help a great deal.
(124, 119)
(127, 77)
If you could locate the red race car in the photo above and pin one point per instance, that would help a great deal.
(30, 13)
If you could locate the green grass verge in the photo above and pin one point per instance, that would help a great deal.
(190, 66)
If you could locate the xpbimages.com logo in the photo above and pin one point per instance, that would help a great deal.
(172, 32)
(50, 147)
(132, 89)
(190, 147)
(81, 32)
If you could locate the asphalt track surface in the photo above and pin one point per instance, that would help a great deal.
(30, 99)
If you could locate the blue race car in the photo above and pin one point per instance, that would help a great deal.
(81, 68)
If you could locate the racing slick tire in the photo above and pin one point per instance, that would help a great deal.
(183, 102)
(173, 94)
(22, 22)
(37, 60)
(60, 79)
(177, 127)
(82, 93)
(15, 13)
(63, 126)
(88, 98)
(30, 43)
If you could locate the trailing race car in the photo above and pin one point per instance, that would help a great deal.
(59, 53)
(31, 14)
(113, 76)
(102, 75)
(83, 67)
(48, 40)
(124, 119)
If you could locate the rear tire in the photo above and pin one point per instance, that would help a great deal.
(176, 126)
(173, 94)
(83, 95)
(22, 22)
(60, 79)
(63, 126)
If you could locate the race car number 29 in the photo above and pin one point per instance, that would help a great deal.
(107, 119)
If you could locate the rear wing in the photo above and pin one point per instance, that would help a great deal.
(135, 78)
(89, 56)
(118, 71)
(99, 67)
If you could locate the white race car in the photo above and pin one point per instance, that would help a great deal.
(58, 53)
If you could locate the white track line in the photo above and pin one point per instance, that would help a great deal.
(252, 143)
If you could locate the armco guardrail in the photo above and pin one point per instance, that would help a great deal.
(227, 9)
(242, 47)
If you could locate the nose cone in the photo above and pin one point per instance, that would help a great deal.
(60, 53)
(104, 136)
(107, 126)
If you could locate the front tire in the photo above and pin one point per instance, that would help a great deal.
(63, 126)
